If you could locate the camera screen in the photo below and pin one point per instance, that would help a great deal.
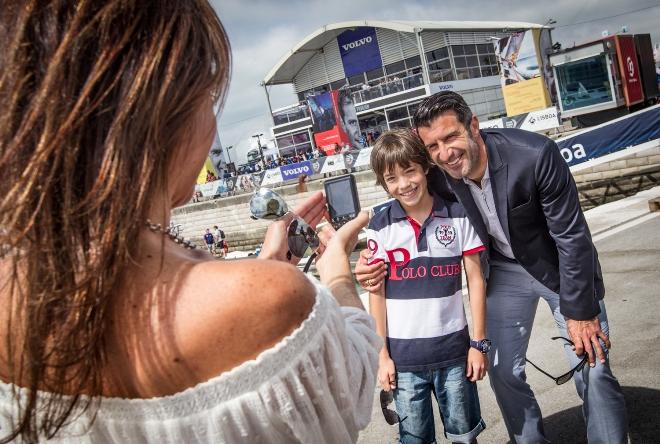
(340, 198)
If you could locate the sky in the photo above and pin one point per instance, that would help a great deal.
(261, 32)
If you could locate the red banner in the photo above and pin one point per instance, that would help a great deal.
(629, 68)
(329, 135)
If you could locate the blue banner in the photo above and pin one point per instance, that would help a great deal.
(359, 50)
(610, 137)
(297, 169)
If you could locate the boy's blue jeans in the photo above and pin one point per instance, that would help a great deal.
(457, 398)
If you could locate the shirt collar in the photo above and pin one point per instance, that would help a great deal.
(484, 179)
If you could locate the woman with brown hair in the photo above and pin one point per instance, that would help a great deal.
(110, 329)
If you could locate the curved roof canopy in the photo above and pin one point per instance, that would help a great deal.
(294, 60)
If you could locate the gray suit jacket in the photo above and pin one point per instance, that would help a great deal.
(537, 204)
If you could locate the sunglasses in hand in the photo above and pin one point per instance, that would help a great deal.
(390, 415)
(559, 380)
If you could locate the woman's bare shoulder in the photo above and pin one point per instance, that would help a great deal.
(230, 311)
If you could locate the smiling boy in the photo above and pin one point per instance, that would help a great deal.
(419, 312)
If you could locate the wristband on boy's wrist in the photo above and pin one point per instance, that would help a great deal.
(482, 345)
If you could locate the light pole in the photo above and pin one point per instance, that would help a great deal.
(261, 151)
(227, 149)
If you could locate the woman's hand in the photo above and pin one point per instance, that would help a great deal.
(275, 245)
(333, 265)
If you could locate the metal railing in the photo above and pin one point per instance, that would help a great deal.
(385, 88)
(601, 191)
(291, 114)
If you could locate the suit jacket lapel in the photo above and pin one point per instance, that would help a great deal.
(498, 170)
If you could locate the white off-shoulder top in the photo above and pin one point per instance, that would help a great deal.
(314, 386)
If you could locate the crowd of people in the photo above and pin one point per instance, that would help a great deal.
(126, 333)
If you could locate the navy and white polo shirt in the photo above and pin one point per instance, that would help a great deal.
(426, 324)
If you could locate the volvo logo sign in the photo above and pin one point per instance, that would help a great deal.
(355, 44)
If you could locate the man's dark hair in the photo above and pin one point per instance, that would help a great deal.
(432, 107)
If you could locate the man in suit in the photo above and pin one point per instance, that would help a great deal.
(521, 198)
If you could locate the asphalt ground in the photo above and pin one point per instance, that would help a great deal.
(627, 237)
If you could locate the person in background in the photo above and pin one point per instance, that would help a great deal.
(123, 333)
(219, 241)
(301, 186)
(209, 240)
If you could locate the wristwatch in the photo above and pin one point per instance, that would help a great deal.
(483, 345)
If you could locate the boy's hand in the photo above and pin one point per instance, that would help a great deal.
(386, 374)
(477, 365)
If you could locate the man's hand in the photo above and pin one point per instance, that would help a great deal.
(477, 365)
(386, 373)
(585, 335)
(371, 277)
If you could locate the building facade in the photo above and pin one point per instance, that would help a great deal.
(389, 68)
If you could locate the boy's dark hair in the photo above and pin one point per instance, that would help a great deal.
(397, 147)
(432, 107)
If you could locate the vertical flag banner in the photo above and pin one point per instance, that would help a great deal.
(328, 134)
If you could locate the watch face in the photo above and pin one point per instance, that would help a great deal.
(485, 345)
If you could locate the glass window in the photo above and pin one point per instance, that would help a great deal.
(437, 54)
(470, 49)
(301, 137)
(436, 66)
(375, 74)
(462, 74)
(397, 113)
(460, 62)
(472, 61)
(441, 76)
(489, 71)
(488, 60)
(337, 84)
(284, 141)
(412, 109)
(457, 50)
(279, 119)
(474, 73)
(584, 82)
(413, 62)
(405, 123)
(395, 67)
(485, 48)
(357, 79)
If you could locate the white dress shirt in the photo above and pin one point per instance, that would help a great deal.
(485, 201)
